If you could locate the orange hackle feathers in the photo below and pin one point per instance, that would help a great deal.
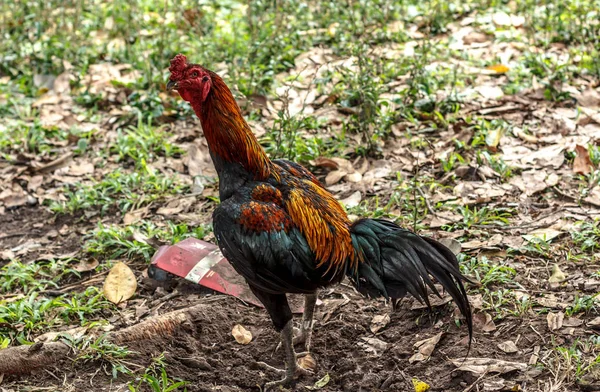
(229, 136)
(324, 223)
(267, 193)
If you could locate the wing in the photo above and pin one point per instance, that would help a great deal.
(297, 170)
(318, 215)
(261, 241)
(288, 235)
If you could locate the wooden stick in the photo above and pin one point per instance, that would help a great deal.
(24, 359)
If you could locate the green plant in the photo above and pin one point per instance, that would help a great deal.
(35, 276)
(120, 189)
(143, 143)
(155, 377)
(107, 353)
(586, 235)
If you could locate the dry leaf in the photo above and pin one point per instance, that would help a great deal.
(7, 254)
(331, 305)
(62, 84)
(353, 177)
(325, 162)
(557, 275)
(487, 365)
(550, 301)
(555, 320)
(241, 334)
(334, 177)
(176, 206)
(353, 200)
(490, 92)
(15, 197)
(493, 385)
(425, 348)
(120, 284)
(434, 301)
(373, 345)
(572, 322)
(535, 356)
(379, 322)
(493, 137)
(545, 234)
(81, 169)
(589, 98)
(532, 181)
(307, 362)
(594, 323)
(34, 183)
(75, 333)
(320, 383)
(483, 322)
(476, 301)
(85, 265)
(475, 37)
(134, 216)
(520, 133)
(198, 162)
(508, 347)
(582, 163)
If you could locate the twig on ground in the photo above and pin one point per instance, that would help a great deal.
(575, 199)
(24, 359)
(96, 278)
(470, 387)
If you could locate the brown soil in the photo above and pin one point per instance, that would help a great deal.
(207, 356)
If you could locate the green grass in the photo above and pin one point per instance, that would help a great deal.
(114, 241)
(122, 190)
(156, 379)
(587, 236)
(143, 143)
(23, 319)
(17, 276)
(102, 351)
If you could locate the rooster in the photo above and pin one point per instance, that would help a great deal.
(285, 233)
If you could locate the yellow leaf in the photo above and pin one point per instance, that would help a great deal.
(241, 334)
(332, 29)
(498, 68)
(557, 275)
(120, 284)
(419, 385)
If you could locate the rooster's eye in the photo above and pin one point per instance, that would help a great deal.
(194, 74)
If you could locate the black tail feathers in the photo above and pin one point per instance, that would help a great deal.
(397, 261)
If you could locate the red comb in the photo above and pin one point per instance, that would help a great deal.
(178, 64)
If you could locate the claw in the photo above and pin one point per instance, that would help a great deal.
(269, 368)
(290, 374)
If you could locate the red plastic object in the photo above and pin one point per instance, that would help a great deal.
(203, 263)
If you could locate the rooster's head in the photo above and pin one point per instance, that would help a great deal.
(192, 81)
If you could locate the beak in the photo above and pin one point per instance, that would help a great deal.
(171, 85)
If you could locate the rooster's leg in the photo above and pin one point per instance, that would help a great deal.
(281, 315)
(305, 333)
(291, 367)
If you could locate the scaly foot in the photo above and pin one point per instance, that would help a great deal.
(289, 374)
